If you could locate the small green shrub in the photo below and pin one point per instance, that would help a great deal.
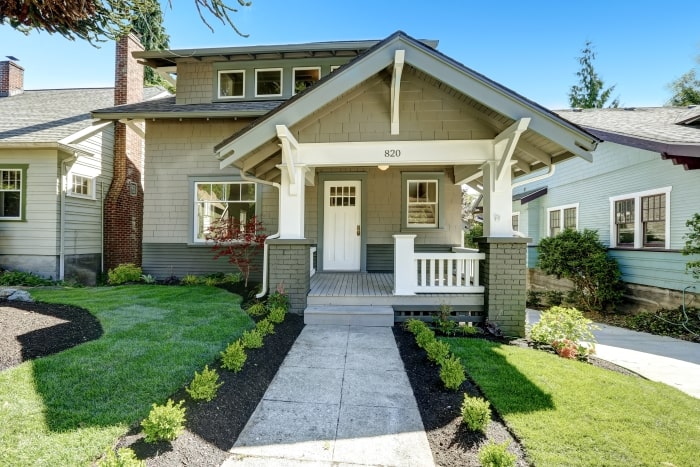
(26, 279)
(468, 330)
(534, 299)
(554, 297)
(672, 322)
(164, 422)
(257, 309)
(191, 279)
(233, 357)
(148, 279)
(265, 327)
(446, 328)
(476, 413)
(437, 351)
(559, 323)
(452, 373)
(204, 385)
(232, 278)
(692, 245)
(277, 315)
(277, 299)
(424, 337)
(252, 339)
(415, 325)
(496, 455)
(124, 457)
(124, 273)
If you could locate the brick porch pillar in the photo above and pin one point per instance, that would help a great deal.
(503, 274)
(289, 264)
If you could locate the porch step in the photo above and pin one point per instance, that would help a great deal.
(389, 300)
(458, 313)
(349, 315)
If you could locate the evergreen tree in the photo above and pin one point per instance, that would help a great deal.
(590, 92)
(149, 26)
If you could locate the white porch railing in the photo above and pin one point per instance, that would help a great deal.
(456, 272)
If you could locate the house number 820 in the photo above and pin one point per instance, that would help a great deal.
(392, 153)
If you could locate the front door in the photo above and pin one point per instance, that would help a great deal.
(342, 245)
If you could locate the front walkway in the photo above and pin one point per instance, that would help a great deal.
(341, 396)
(659, 358)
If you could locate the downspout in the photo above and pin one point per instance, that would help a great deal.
(549, 173)
(102, 227)
(247, 178)
(61, 237)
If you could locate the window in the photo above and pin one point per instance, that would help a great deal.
(516, 222)
(422, 203)
(82, 186)
(305, 77)
(12, 192)
(641, 219)
(216, 201)
(231, 84)
(561, 218)
(268, 82)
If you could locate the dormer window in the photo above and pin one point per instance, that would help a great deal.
(268, 82)
(305, 77)
(231, 84)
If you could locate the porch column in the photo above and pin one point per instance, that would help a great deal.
(289, 268)
(405, 273)
(498, 201)
(292, 202)
(503, 275)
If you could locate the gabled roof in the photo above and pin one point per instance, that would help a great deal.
(50, 115)
(670, 131)
(570, 138)
(530, 195)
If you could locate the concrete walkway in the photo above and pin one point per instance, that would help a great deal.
(341, 397)
(658, 358)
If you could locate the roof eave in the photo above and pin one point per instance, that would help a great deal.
(663, 147)
(176, 115)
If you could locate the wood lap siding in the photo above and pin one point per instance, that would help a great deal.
(380, 258)
(163, 260)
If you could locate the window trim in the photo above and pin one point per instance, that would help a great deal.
(91, 188)
(218, 84)
(515, 214)
(23, 192)
(561, 208)
(438, 177)
(638, 224)
(303, 68)
(281, 71)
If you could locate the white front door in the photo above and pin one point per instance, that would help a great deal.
(342, 231)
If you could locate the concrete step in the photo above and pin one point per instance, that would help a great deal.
(389, 300)
(349, 315)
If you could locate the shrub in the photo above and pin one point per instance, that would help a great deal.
(692, 245)
(204, 385)
(278, 299)
(257, 309)
(415, 325)
(240, 242)
(554, 297)
(476, 413)
(470, 236)
(566, 348)
(467, 330)
(123, 273)
(190, 279)
(424, 337)
(277, 315)
(233, 357)
(27, 279)
(252, 339)
(437, 351)
(124, 457)
(148, 279)
(496, 455)
(534, 299)
(164, 422)
(668, 322)
(265, 327)
(452, 373)
(559, 323)
(582, 258)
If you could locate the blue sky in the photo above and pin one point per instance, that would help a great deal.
(530, 47)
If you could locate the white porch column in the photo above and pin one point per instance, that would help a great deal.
(405, 273)
(292, 203)
(498, 202)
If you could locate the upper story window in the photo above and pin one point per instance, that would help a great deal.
(12, 192)
(81, 186)
(560, 218)
(268, 82)
(305, 77)
(641, 220)
(217, 201)
(231, 84)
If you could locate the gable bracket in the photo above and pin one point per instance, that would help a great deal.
(399, 60)
(290, 154)
(504, 145)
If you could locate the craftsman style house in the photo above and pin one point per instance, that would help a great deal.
(353, 154)
(638, 194)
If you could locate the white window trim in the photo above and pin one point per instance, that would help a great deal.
(436, 203)
(281, 71)
(561, 216)
(517, 214)
(638, 225)
(334, 67)
(195, 220)
(303, 68)
(218, 84)
(73, 194)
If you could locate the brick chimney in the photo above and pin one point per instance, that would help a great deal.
(11, 79)
(123, 211)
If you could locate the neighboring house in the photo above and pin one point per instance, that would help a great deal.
(352, 153)
(56, 169)
(638, 193)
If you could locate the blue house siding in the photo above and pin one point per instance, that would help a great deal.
(665, 269)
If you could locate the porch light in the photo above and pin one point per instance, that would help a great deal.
(383, 167)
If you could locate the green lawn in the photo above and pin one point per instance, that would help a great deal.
(68, 408)
(571, 413)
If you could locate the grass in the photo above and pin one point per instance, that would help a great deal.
(570, 413)
(66, 409)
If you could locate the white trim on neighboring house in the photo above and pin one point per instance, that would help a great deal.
(89, 186)
(281, 72)
(516, 215)
(218, 84)
(561, 209)
(638, 224)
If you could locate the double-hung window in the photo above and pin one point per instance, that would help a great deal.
(421, 196)
(641, 220)
(12, 192)
(561, 218)
(216, 202)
